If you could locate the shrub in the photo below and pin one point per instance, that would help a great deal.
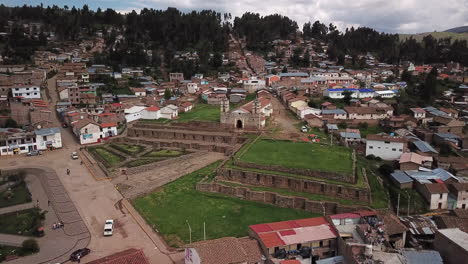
(370, 157)
(386, 169)
(378, 158)
(30, 246)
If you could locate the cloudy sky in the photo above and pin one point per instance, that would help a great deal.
(402, 16)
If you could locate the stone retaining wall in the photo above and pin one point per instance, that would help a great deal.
(325, 208)
(151, 166)
(294, 184)
(348, 178)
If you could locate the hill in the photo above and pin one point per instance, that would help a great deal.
(437, 35)
(462, 29)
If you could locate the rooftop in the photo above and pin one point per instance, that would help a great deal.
(457, 236)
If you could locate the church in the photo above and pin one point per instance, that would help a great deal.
(251, 116)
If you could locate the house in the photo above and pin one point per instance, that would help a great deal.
(314, 120)
(339, 93)
(460, 191)
(350, 137)
(334, 114)
(169, 112)
(423, 148)
(447, 138)
(152, 113)
(365, 113)
(108, 129)
(140, 92)
(226, 250)
(306, 110)
(15, 141)
(385, 147)
(192, 88)
(87, 131)
(452, 244)
(185, 107)
(133, 113)
(401, 179)
(385, 94)
(48, 138)
(418, 113)
(436, 194)
(457, 164)
(271, 79)
(413, 161)
(277, 239)
(26, 91)
(253, 84)
(176, 76)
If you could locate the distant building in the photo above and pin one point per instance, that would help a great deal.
(385, 147)
(452, 244)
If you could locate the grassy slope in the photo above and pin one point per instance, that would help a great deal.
(178, 201)
(300, 155)
(201, 112)
(438, 35)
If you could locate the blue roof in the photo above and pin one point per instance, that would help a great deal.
(47, 131)
(350, 89)
(423, 146)
(333, 112)
(422, 175)
(401, 177)
(365, 90)
(332, 126)
(333, 260)
(294, 74)
(422, 257)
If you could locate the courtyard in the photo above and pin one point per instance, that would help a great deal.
(178, 204)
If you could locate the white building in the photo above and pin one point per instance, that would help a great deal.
(339, 93)
(133, 113)
(170, 111)
(306, 110)
(29, 91)
(108, 130)
(385, 147)
(253, 84)
(192, 88)
(87, 131)
(152, 112)
(48, 138)
(385, 94)
(16, 141)
(418, 113)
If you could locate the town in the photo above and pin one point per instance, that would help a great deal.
(288, 148)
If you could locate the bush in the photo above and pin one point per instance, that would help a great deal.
(363, 125)
(386, 169)
(378, 159)
(370, 157)
(30, 246)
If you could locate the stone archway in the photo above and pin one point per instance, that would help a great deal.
(239, 124)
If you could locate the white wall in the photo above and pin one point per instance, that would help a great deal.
(89, 134)
(109, 131)
(386, 151)
(32, 92)
(132, 117)
(435, 200)
(55, 139)
(150, 114)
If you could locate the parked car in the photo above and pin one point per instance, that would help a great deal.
(74, 155)
(108, 227)
(34, 153)
(80, 253)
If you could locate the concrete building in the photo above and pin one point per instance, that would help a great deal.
(133, 113)
(169, 111)
(339, 93)
(27, 91)
(87, 131)
(385, 147)
(452, 244)
(48, 138)
(15, 141)
(152, 112)
(460, 192)
(253, 84)
(413, 161)
(436, 194)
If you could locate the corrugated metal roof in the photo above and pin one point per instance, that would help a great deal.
(401, 177)
(422, 257)
(423, 146)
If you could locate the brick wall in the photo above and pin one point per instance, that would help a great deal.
(294, 184)
(294, 202)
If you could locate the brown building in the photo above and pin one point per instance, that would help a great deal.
(452, 244)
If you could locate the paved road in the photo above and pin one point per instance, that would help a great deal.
(95, 201)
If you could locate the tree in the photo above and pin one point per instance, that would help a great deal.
(11, 123)
(167, 94)
(430, 85)
(347, 97)
(30, 246)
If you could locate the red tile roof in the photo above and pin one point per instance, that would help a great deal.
(108, 124)
(290, 261)
(129, 256)
(271, 239)
(345, 215)
(152, 108)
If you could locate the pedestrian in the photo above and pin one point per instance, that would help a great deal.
(68, 171)
(48, 202)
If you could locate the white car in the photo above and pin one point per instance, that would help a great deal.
(108, 227)
(74, 155)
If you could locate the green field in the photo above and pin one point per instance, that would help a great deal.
(169, 209)
(299, 155)
(438, 35)
(201, 112)
(110, 159)
(163, 153)
(129, 149)
(20, 195)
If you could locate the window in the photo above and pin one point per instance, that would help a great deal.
(44, 138)
(371, 147)
(339, 189)
(393, 149)
(440, 197)
(440, 205)
(387, 142)
(22, 148)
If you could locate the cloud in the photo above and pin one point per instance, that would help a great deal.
(402, 16)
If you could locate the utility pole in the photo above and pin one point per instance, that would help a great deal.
(409, 197)
(190, 231)
(204, 231)
(398, 206)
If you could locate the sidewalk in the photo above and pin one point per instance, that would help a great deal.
(12, 240)
(16, 208)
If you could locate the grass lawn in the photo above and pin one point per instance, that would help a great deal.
(201, 112)
(20, 195)
(370, 130)
(170, 208)
(129, 149)
(299, 155)
(163, 153)
(139, 162)
(8, 251)
(107, 156)
(19, 223)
